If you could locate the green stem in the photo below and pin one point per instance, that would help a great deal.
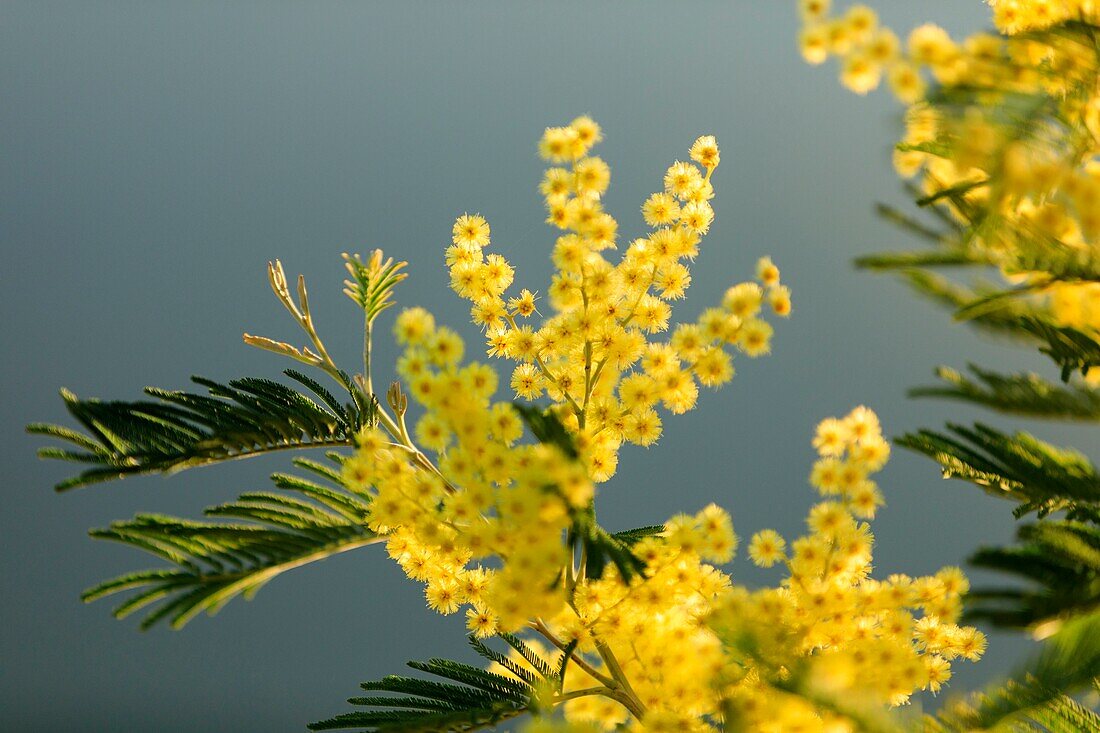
(636, 708)
(540, 627)
(368, 331)
(587, 692)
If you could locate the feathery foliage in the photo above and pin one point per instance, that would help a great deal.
(180, 430)
(1004, 322)
(547, 427)
(471, 699)
(601, 548)
(372, 282)
(1042, 477)
(1060, 561)
(249, 542)
(1024, 394)
(1071, 349)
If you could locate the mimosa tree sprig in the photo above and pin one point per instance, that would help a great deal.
(492, 504)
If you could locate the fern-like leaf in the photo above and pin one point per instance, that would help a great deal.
(601, 548)
(1062, 714)
(243, 418)
(547, 427)
(470, 699)
(1024, 394)
(1071, 349)
(257, 537)
(1006, 321)
(372, 282)
(1040, 476)
(1060, 560)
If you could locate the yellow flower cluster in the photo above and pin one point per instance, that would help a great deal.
(652, 625)
(596, 356)
(1011, 140)
(850, 636)
(647, 633)
(696, 648)
(1018, 16)
(487, 496)
(869, 52)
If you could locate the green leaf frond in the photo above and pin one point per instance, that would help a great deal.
(910, 260)
(1000, 311)
(631, 537)
(1072, 350)
(471, 698)
(1061, 715)
(955, 193)
(1038, 696)
(254, 539)
(1060, 562)
(372, 282)
(996, 300)
(601, 548)
(547, 427)
(943, 233)
(180, 430)
(1024, 394)
(1041, 477)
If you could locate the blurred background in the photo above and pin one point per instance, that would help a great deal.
(156, 155)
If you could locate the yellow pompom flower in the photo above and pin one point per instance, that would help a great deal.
(588, 132)
(813, 43)
(766, 548)
(414, 326)
(930, 44)
(682, 179)
(471, 230)
(591, 176)
(860, 73)
(813, 10)
(754, 337)
(743, 300)
(767, 272)
(704, 151)
(862, 22)
(831, 438)
(660, 209)
(779, 297)
(696, 217)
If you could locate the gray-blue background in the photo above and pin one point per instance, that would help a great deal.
(155, 155)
